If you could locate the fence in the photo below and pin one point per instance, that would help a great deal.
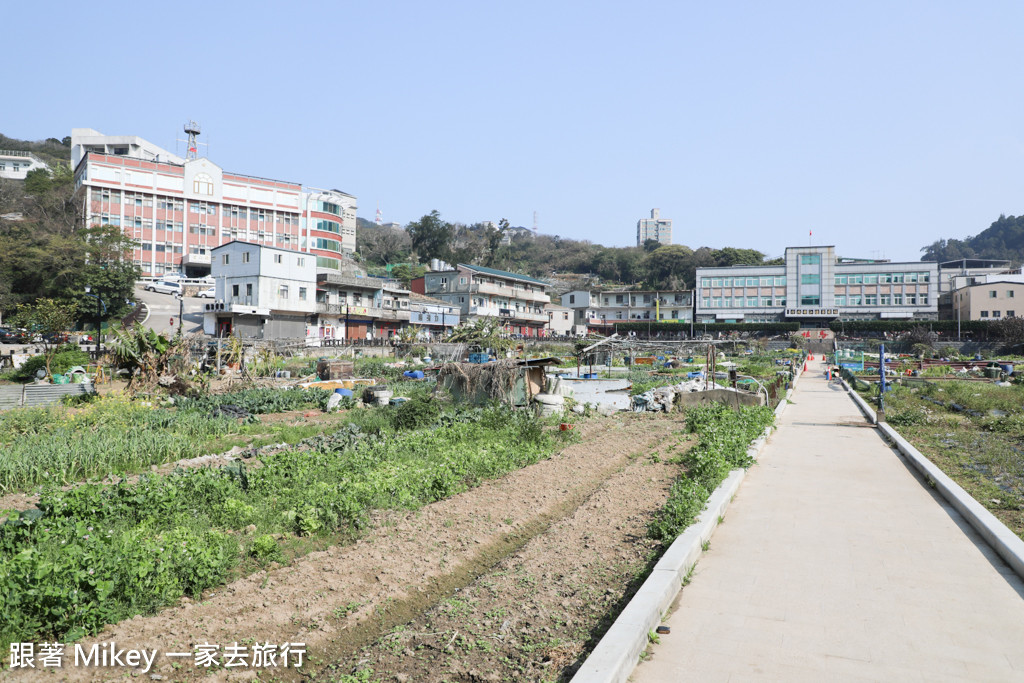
(30, 395)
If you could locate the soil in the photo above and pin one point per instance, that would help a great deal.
(512, 580)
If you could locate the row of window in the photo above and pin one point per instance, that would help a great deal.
(225, 259)
(999, 314)
(161, 248)
(283, 291)
(328, 207)
(882, 278)
(241, 212)
(328, 226)
(326, 244)
(851, 300)
(765, 281)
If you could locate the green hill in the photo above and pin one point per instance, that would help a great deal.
(50, 150)
(1004, 239)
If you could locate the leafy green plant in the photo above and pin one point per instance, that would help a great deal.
(265, 549)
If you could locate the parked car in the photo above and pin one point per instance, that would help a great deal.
(208, 293)
(165, 287)
(8, 336)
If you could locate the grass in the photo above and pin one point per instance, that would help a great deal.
(974, 432)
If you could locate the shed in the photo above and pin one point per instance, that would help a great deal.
(514, 382)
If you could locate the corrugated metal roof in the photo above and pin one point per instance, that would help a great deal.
(504, 273)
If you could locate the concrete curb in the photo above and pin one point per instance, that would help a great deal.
(618, 652)
(1007, 544)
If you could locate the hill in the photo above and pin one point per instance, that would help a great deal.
(50, 150)
(1004, 239)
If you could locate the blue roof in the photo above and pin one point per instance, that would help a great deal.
(504, 273)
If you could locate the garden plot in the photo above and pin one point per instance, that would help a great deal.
(973, 431)
(346, 597)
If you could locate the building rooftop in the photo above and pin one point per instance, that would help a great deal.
(504, 273)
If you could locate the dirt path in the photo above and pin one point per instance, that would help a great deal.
(345, 598)
(533, 616)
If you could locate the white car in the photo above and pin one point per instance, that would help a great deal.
(165, 287)
(209, 293)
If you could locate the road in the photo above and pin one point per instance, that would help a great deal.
(164, 307)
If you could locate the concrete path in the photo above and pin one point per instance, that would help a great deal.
(836, 563)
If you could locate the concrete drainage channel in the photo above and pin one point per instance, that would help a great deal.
(1007, 544)
(618, 652)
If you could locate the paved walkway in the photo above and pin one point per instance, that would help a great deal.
(835, 563)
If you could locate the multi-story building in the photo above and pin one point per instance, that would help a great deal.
(516, 300)
(179, 209)
(660, 306)
(813, 287)
(436, 317)
(962, 273)
(654, 228)
(262, 292)
(355, 306)
(560, 320)
(990, 297)
(15, 164)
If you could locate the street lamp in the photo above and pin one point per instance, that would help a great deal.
(99, 318)
(181, 309)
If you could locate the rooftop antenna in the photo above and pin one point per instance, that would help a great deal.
(379, 220)
(192, 129)
(534, 222)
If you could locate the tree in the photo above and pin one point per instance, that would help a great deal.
(431, 237)
(46, 317)
(383, 245)
(669, 266)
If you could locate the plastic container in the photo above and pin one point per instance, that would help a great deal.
(590, 375)
(343, 392)
(1007, 368)
(61, 379)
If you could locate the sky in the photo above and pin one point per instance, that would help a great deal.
(879, 127)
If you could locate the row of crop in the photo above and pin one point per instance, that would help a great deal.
(117, 435)
(97, 554)
(724, 435)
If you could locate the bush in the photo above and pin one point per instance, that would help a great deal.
(63, 359)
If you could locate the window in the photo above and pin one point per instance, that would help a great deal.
(751, 301)
(245, 257)
(766, 282)
(751, 282)
(871, 279)
(705, 282)
(854, 299)
(810, 259)
(885, 299)
(984, 314)
(282, 291)
(716, 282)
(840, 300)
(870, 299)
(1009, 294)
(780, 281)
(810, 279)
(897, 299)
(840, 279)
(248, 289)
(911, 299)
(572, 298)
(234, 290)
(302, 293)
(766, 301)
(991, 294)
(618, 298)
(856, 279)
(997, 314)
(277, 258)
(202, 184)
(1011, 314)
(224, 259)
(300, 262)
(810, 301)
(727, 282)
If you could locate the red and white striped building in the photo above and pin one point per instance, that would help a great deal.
(180, 209)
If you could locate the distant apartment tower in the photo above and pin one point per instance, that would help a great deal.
(180, 209)
(654, 228)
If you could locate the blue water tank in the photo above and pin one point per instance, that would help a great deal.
(343, 392)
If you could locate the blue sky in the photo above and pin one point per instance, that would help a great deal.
(881, 126)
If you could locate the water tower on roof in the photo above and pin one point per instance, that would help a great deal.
(192, 129)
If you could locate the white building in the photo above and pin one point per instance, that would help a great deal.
(179, 209)
(15, 164)
(262, 292)
(560, 320)
(814, 287)
(654, 228)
